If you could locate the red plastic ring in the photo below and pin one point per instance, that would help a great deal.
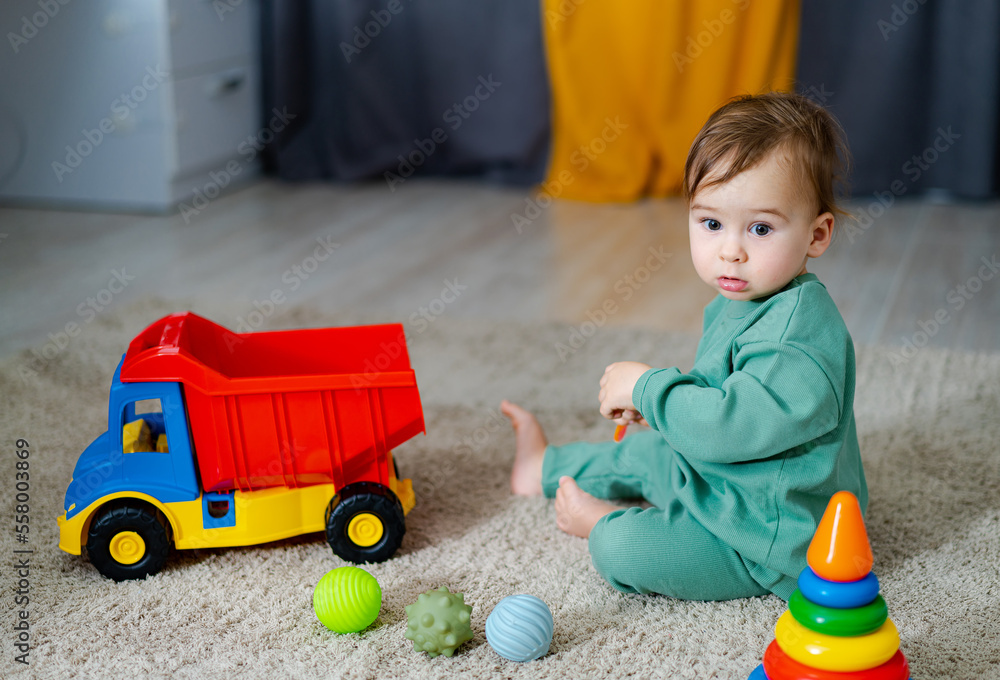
(780, 666)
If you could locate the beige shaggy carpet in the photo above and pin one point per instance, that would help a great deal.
(929, 430)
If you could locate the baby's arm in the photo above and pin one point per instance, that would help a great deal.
(617, 384)
(777, 398)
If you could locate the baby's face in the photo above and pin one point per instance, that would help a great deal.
(751, 235)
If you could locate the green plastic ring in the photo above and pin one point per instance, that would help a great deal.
(839, 622)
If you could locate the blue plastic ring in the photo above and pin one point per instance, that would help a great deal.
(838, 594)
(758, 674)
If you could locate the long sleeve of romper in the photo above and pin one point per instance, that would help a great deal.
(776, 398)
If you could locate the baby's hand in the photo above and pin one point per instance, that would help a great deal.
(630, 416)
(617, 383)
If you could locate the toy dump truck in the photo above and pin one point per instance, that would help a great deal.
(220, 439)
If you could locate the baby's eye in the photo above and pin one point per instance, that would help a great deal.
(712, 225)
(760, 230)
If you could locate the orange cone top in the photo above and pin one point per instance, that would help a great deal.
(840, 550)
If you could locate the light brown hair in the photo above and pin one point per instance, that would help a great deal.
(744, 131)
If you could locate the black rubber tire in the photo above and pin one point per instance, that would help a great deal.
(136, 516)
(365, 497)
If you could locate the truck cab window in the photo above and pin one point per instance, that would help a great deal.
(143, 429)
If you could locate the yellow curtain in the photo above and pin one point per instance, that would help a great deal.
(634, 80)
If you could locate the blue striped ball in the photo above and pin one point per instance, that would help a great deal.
(520, 628)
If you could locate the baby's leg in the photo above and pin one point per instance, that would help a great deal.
(526, 476)
(603, 469)
(666, 551)
(580, 475)
(576, 510)
(634, 468)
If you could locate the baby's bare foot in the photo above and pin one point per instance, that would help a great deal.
(576, 510)
(526, 477)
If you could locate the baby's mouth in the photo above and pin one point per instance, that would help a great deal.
(730, 284)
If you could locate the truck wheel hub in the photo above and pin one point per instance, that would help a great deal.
(127, 547)
(365, 529)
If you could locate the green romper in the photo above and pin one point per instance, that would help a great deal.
(744, 453)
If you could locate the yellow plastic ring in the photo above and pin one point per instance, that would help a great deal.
(365, 529)
(832, 653)
(127, 547)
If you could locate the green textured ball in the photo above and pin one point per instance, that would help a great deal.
(347, 599)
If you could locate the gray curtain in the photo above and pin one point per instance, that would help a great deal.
(453, 87)
(916, 85)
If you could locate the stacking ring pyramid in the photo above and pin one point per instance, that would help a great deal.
(837, 625)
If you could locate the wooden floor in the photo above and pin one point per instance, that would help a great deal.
(920, 273)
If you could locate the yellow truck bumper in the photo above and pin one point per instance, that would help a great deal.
(71, 533)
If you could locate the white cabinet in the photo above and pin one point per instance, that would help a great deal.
(127, 104)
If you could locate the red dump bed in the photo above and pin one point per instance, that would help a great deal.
(285, 408)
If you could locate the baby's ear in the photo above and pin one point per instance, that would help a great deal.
(822, 234)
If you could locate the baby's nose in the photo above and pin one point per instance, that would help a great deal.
(732, 251)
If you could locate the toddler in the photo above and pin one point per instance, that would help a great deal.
(747, 447)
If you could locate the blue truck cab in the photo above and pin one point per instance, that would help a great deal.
(108, 475)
